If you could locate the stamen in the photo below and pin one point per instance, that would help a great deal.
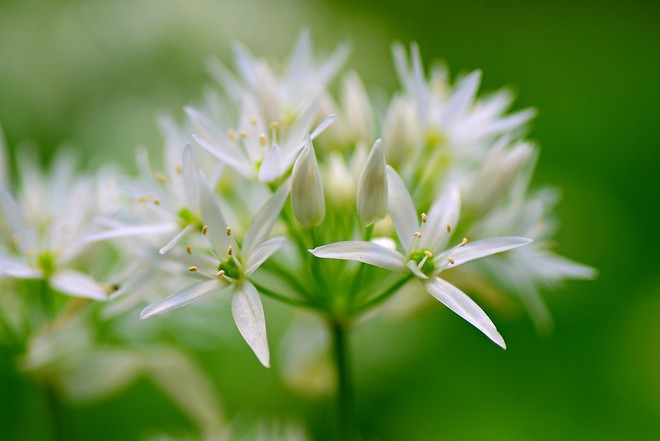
(228, 231)
(192, 269)
(231, 133)
(450, 260)
(143, 199)
(160, 178)
(243, 134)
(188, 249)
(417, 234)
(156, 201)
(253, 121)
(427, 255)
(179, 170)
(448, 228)
(230, 250)
(274, 125)
(464, 241)
(205, 229)
(424, 217)
(262, 140)
(220, 273)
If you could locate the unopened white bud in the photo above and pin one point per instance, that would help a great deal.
(372, 187)
(307, 198)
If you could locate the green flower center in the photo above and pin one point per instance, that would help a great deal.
(186, 217)
(46, 263)
(418, 256)
(230, 268)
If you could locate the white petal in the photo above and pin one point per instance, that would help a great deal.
(265, 218)
(175, 240)
(78, 285)
(273, 165)
(462, 98)
(213, 218)
(189, 177)
(322, 126)
(401, 208)
(445, 211)
(136, 230)
(249, 317)
(261, 253)
(188, 295)
(307, 196)
(360, 251)
(412, 266)
(372, 187)
(479, 249)
(11, 211)
(230, 156)
(461, 304)
(12, 267)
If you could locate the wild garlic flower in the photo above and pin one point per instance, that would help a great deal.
(231, 265)
(47, 225)
(425, 254)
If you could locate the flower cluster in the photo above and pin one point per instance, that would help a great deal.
(274, 187)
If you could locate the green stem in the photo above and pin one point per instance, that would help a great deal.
(281, 297)
(344, 398)
(385, 294)
(54, 409)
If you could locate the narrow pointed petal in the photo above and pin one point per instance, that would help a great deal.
(11, 211)
(401, 208)
(265, 218)
(372, 187)
(459, 302)
(323, 125)
(462, 98)
(12, 267)
(213, 218)
(479, 249)
(273, 165)
(361, 251)
(78, 284)
(184, 297)
(261, 253)
(444, 212)
(232, 157)
(248, 314)
(175, 240)
(416, 271)
(133, 230)
(307, 196)
(190, 178)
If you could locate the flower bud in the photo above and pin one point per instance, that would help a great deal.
(307, 197)
(372, 187)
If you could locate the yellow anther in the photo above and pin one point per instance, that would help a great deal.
(160, 178)
(143, 199)
(156, 201)
(417, 234)
(188, 249)
(450, 260)
(220, 273)
(192, 269)
(274, 124)
(243, 134)
(464, 241)
(179, 170)
(253, 121)
(205, 229)
(231, 133)
(448, 228)
(428, 254)
(424, 217)
(230, 250)
(262, 140)
(228, 231)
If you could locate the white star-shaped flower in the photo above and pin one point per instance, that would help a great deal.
(425, 254)
(231, 267)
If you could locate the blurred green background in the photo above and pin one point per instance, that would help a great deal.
(94, 74)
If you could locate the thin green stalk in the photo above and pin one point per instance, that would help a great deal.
(385, 294)
(282, 298)
(54, 409)
(344, 399)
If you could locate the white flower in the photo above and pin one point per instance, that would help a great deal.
(425, 255)
(232, 268)
(47, 226)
